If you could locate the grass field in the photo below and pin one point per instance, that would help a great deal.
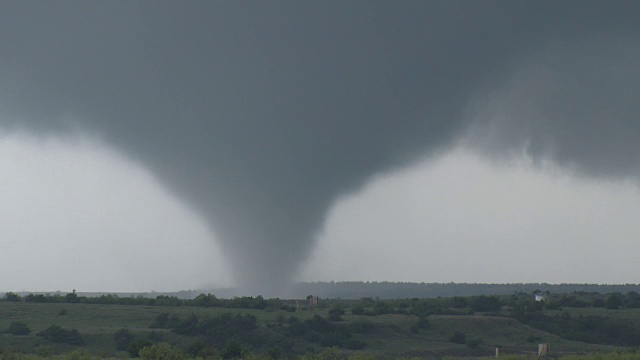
(390, 337)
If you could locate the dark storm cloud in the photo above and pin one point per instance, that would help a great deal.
(575, 103)
(260, 114)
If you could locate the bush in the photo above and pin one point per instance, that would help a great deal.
(484, 303)
(81, 354)
(161, 321)
(162, 351)
(361, 326)
(335, 314)
(155, 336)
(8, 354)
(357, 310)
(57, 334)
(123, 338)
(458, 338)
(233, 350)
(200, 349)
(137, 345)
(423, 323)
(534, 339)
(353, 344)
(18, 328)
(382, 308)
(474, 343)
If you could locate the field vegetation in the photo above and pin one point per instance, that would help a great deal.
(577, 325)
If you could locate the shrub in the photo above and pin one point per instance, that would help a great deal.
(458, 338)
(18, 328)
(423, 323)
(382, 308)
(361, 326)
(155, 336)
(485, 303)
(353, 344)
(161, 321)
(233, 350)
(534, 339)
(123, 338)
(474, 343)
(80, 354)
(137, 345)
(161, 351)
(8, 354)
(200, 350)
(357, 310)
(335, 314)
(57, 334)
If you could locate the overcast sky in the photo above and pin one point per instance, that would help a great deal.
(78, 215)
(164, 145)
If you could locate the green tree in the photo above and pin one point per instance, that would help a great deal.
(233, 350)
(57, 334)
(382, 308)
(614, 301)
(357, 310)
(123, 338)
(335, 314)
(18, 328)
(12, 297)
(72, 297)
(137, 345)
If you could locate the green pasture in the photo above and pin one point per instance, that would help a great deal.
(390, 336)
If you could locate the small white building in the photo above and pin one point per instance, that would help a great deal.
(540, 297)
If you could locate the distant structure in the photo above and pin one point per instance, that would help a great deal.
(313, 300)
(540, 297)
(543, 350)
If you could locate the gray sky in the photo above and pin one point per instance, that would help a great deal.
(245, 130)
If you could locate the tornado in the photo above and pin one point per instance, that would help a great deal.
(261, 115)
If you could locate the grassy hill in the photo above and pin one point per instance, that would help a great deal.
(276, 335)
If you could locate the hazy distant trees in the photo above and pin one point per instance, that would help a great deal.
(208, 300)
(72, 297)
(614, 301)
(485, 303)
(12, 297)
